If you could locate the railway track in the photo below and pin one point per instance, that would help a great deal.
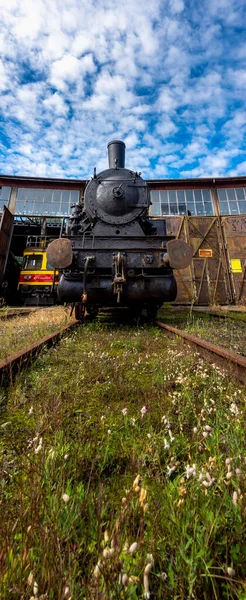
(14, 363)
(234, 363)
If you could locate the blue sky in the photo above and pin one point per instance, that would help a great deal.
(166, 76)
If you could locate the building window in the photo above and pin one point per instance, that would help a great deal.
(4, 195)
(42, 202)
(232, 201)
(181, 202)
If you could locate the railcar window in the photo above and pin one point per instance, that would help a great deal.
(232, 201)
(32, 262)
(33, 201)
(181, 202)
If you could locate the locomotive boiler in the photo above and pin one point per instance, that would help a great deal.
(115, 254)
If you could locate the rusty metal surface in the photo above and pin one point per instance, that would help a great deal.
(234, 228)
(207, 280)
(59, 253)
(10, 365)
(180, 254)
(6, 229)
(228, 357)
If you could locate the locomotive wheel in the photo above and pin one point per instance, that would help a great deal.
(79, 311)
(152, 312)
(92, 311)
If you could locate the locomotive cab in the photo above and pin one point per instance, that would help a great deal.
(38, 280)
(114, 255)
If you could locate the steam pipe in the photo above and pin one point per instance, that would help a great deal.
(116, 154)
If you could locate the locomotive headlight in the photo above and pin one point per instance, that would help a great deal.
(27, 277)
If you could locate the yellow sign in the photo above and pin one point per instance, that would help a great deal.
(236, 266)
(205, 253)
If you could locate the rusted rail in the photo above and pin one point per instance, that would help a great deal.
(14, 363)
(231, 361)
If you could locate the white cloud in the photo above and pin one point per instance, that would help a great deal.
(166, 77)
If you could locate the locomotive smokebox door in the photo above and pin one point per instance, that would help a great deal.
(59, 253)
(179, 253)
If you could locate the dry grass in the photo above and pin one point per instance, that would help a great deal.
(20, 331)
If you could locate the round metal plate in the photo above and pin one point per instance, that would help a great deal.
(179, 253)
(59, 253)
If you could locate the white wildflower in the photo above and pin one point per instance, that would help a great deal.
(163, 576)
(65, 498)
(143, 411)
(133, 548)
(124, 579)
(239, 472)
(97, 571)
(208, 428)
(195, 430)
(124, 411)
(30, 579)
(35, 588)
(65, 456)
(171, 435)
(205, 434)
(170, 470)
(39, 447)
(109, 431)
(166, 445)
(230, 572)
(132, 421)
(30, 411)
(149, 436)
(234, 498)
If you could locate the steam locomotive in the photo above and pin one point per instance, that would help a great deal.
(115, 254)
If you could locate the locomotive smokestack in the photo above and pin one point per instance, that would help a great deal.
(116, 154)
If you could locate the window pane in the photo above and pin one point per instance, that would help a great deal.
(155, 196)
(5, 193)
(33, 261)
(164, 209)
(172, 196)
(206, 195)
(200, 208)
(222, 194)
(29, 195)
(191, 208)
(163, 195)
(240, 193)
(242, 208)
(198, 195)
(173, 209)
(233, 208)
(156, 210)
(65, 196)
(189, 195)
(231, 194)
(56, 196)
(65, 210)
(224, 209)
(181, 196)
(182, 209)
(74, 196)
(208, 208)
(19, 207)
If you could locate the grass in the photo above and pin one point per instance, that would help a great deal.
(223, 331)
(21, 331)
(123, 473)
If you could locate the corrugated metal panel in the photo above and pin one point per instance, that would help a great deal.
(234, 228)
(207, 280)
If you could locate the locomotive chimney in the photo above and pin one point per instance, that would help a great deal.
(116, 154)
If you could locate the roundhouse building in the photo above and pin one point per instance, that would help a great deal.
(209, 213)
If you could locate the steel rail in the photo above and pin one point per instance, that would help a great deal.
(235, 363)
(14, 363)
